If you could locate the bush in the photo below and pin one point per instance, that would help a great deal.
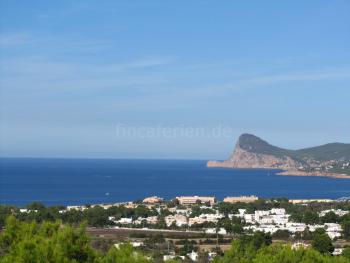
(321, 242)
(51, 242)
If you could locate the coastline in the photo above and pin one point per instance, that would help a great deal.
(286, 172)
(314, 174)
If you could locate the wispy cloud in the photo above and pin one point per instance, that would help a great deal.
(144, 82)
(16, 39)
(49, 43)
(150, 62)
(257, 81)
(41, 74)
(302, 76)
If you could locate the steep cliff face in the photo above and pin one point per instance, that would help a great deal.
(247, 159)
(253, 152)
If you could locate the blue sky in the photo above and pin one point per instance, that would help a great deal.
(171, 79)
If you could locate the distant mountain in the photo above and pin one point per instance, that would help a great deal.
(253, 152)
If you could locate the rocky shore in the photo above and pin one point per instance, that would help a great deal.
(253, 153)
(216, 164)
(319, 174)
(213, 164)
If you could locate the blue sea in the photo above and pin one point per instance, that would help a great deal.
(88, 181)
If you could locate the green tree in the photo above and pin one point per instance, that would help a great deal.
(124, 254)
(346, 229)
(244, 249)
(311, 218)
(281, 234)
(261, 239)
(279, 253)
(346, 253)
(5, 211)
(330, 217)
(242, 252)
(51, 242)
(46, 242)
(322, 242)
(227, 224)
(35, 206)
(97, 216)
(237, 229)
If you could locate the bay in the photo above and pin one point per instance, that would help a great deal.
(90, 181)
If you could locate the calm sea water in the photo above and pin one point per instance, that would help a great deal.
(82, 181)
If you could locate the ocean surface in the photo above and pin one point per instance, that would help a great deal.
(89, 181)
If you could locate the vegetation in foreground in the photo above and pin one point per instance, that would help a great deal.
(53, 242)
(259, 249)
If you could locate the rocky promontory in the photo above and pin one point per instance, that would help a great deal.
(330, 160)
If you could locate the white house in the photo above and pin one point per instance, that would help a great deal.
(221, 231)
(124, 220)
(193, 256)
(179, 220)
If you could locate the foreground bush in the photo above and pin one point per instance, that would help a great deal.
(258, 249)
(53, 242)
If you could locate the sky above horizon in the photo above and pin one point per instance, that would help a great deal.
(171, 79)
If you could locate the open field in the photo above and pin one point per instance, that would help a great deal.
(137, 232)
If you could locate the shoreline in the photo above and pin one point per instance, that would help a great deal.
(313, 174)
(285, 172)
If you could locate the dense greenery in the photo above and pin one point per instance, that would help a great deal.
(98, 217)
(276, 253)
(95, 216)
(258, 249)
(53, 242)
(321, 242)
(323, 154)
(330, 151)
(253, 143)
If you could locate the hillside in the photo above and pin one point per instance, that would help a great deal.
(253, 152)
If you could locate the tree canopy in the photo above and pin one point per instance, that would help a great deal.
(51, 242)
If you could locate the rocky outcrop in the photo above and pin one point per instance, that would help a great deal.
(242, 158)
(317, 174)
(252, 152)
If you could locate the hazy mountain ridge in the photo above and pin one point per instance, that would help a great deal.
(253, 152)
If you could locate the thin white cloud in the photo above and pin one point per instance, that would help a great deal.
(16, 39)
(270, 79)
(148, 80)
(302, 76)
(40, 74)
(49, 43)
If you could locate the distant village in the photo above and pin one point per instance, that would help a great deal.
(204, 214)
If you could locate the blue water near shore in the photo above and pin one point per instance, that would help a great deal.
(83, 181)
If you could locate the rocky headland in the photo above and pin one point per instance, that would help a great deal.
(329, 160)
